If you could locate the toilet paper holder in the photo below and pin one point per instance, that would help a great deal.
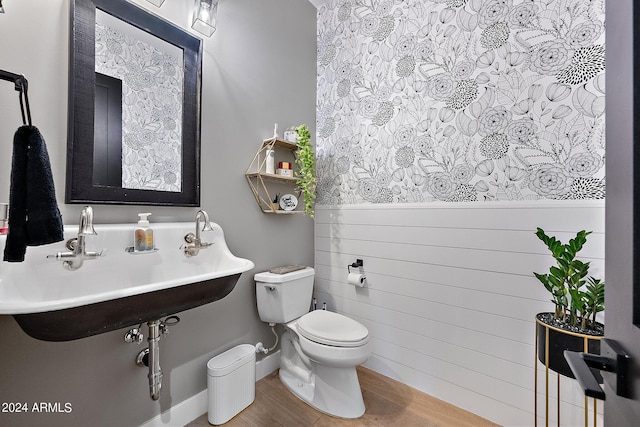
(356, 264)
(358, 279)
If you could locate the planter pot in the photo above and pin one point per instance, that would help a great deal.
(558, 340)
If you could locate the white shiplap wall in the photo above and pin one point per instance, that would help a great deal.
(451, 298)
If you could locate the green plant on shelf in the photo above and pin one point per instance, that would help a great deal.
(306, 169)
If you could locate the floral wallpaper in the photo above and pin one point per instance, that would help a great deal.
(460, 100)
(151, 109)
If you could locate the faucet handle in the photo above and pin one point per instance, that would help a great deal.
(134, 335)
(61, 255)
(169, 321)
(71, 243)
(94, 255)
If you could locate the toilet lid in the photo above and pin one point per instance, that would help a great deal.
(327, 327)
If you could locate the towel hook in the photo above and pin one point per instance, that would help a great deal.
(21, 85)
(24, 99)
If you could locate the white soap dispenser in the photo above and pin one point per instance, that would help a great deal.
(143, 234)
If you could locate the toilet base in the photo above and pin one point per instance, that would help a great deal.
(332, 390)
(337, 393)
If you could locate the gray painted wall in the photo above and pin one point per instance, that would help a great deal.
(259, 68)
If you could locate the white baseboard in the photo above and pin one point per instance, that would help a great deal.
(182, 413)
(193, 407)
(267, 365)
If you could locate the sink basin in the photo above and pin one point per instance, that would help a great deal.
(119, 289)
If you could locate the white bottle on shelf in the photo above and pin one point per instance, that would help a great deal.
(270, 161)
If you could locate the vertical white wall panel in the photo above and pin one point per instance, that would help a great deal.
(450, 298)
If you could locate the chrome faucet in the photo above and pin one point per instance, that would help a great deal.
(193, 241)
(85, 227)
(73, 260)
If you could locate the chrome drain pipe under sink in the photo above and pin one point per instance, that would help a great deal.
(151, 356)
(155, 373)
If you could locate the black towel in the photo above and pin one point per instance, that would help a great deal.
(34, 217)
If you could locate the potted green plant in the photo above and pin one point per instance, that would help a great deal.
(306, 168)
(577, 298)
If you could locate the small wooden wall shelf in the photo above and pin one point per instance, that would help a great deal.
(265, 186)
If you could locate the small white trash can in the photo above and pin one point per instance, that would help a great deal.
(231, 383)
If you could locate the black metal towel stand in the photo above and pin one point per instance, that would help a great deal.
(22, 86)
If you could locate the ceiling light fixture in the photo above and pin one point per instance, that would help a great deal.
(204, 17)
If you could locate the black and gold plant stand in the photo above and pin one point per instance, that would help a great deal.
(549, 349)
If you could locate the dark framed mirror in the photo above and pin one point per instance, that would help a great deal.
(134, 107)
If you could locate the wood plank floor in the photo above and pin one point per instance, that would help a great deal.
(388, 403)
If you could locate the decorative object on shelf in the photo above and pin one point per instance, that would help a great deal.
(284, 169)
(572, 326)
(284, 172)
(306, 169)
(204, 17)
(291, 135)
(270, 166)
(275, 205)
(288, 202)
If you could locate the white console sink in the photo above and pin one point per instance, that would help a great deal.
(120, 288)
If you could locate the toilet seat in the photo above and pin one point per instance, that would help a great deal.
(329, 328)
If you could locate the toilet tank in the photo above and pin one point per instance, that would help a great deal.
(284, 297)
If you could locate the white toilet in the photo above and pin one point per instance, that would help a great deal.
(320, 349)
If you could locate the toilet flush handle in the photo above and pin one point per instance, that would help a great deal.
(270, 287)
